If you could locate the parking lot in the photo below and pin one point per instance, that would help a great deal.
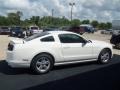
(70, 77)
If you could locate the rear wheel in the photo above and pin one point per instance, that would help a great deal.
(42, 63)
(104, 56)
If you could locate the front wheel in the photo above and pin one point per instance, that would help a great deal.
(104, 56)
(42, 63)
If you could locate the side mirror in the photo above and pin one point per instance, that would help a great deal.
(89, 41)
(85, 42)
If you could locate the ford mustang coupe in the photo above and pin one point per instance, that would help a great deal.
(42, 51)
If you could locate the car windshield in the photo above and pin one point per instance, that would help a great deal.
(36, 36)
(32, 28)
(4, 28)
(50, 29)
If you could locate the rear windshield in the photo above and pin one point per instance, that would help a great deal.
(15, 28)
(36, 36)
(32, 28)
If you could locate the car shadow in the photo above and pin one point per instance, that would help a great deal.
(105, 78)
(6, 70)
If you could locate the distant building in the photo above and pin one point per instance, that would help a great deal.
(116, 24)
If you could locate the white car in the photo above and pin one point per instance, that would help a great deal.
(42, 51)
(35, 30)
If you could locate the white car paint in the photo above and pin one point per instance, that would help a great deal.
(35, 29)
(63, 53)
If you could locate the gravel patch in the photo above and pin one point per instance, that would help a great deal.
(4, 40)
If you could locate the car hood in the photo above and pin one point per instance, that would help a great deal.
(97, 41)
(102, 43)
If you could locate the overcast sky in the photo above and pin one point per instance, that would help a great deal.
(102, 10)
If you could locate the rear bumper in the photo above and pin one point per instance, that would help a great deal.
(15, 64)
(14, 60)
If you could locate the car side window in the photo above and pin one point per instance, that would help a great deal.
(70, 38)
(48, 39)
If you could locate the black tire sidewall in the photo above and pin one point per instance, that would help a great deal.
(33, 63)
(99, 58)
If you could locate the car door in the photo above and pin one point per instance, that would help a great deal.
(74, 47)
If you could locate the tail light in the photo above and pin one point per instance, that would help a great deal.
(10, 47)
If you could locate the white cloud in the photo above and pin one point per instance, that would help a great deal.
(102, 10)
(16, 4)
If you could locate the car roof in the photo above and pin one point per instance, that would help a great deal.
(60, 32)
(86, 25)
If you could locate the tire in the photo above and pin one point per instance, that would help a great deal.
(104, 56)
(42, 64)
(117, 46)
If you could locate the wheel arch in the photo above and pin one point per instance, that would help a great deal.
(44, 53)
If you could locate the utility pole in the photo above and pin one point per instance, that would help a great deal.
(52, 15)
(52, 12)
(71, 4)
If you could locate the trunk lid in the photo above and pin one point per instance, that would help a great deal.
(16, 41)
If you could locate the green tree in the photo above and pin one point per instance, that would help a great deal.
(3, 21)
(102, 25)
(75, 22)
(14, 18)
(19, 14)
(86, 22)
(108, 25)
(46, 21)
(35, 20)
(54, 21)
(94, 23)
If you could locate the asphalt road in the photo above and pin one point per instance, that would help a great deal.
(84, 76)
